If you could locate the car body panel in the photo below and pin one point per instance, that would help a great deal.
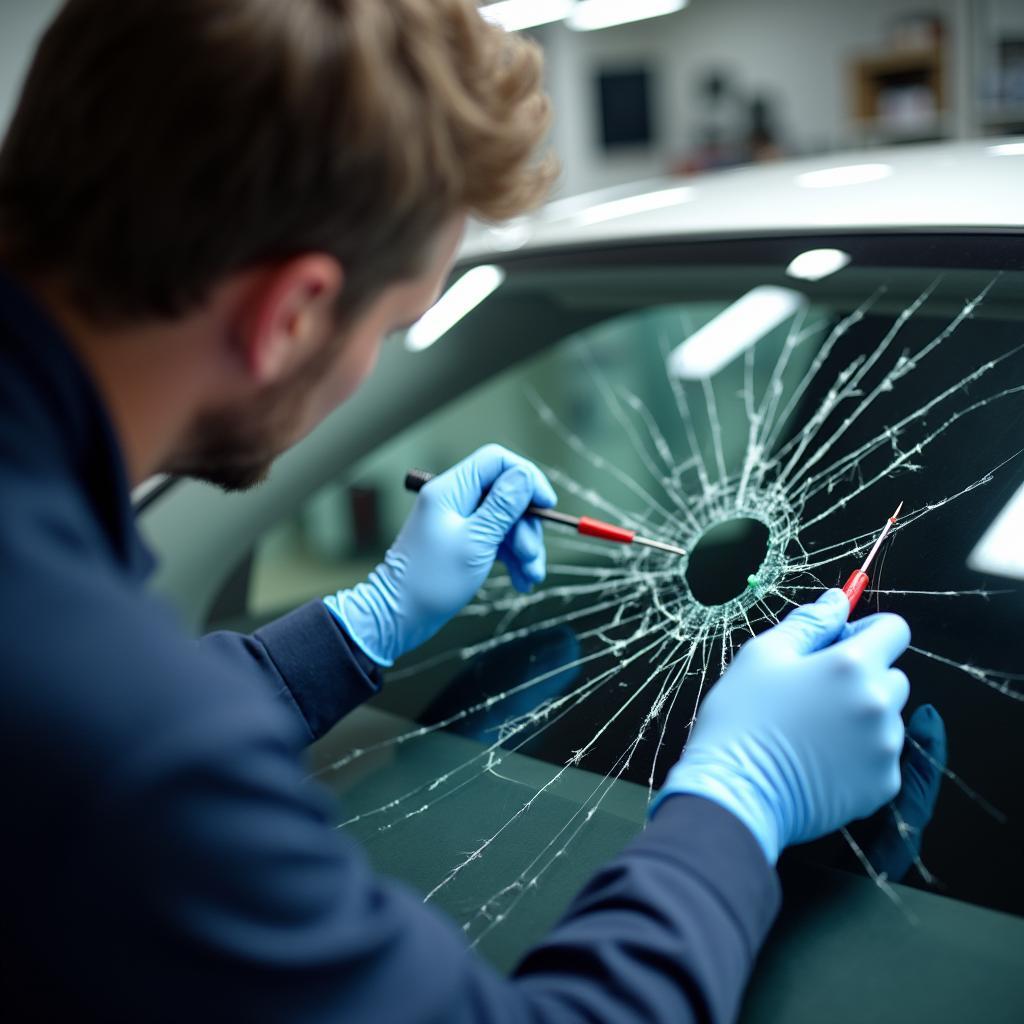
(966, 186)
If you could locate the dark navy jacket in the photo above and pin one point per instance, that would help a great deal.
(165, 857)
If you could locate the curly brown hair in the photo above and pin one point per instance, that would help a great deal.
(160, 145)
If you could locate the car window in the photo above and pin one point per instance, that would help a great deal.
(770, 424)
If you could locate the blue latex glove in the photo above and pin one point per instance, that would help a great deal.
(445, 551)
(802, 734)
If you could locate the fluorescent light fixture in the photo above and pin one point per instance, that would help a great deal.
(589, 15)
(457, 303)
(816, 264)
(733, 331)
(1001, 549)
(515, 15)
(644, 203)
(850, 174)
(1007, 149)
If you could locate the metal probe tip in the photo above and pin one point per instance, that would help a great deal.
(661, 546)
(889, 524)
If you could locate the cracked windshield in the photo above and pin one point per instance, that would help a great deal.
(769, 419)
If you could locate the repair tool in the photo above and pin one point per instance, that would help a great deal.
(416, 478)
(858, 581)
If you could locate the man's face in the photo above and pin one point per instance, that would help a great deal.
(234, 447)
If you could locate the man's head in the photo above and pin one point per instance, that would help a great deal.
(287, 179)
(299, 362)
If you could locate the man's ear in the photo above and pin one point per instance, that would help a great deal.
(287, 315)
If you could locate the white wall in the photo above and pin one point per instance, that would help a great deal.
(795, 51)
(21, 24)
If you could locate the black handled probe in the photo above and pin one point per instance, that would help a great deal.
(585, 525)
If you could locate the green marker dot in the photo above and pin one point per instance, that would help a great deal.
(753, 582)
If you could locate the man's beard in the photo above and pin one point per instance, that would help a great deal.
(225, 470)
(231, 450)
(235, 448)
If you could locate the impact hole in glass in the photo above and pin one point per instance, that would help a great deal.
(724, 560)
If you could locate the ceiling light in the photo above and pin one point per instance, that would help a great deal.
(457, 303)
(644, 203)
(1007, 149)
(733, 331)
(816, 264)
(594, 14)
(514, 15)
(1001, 549)
(851, 174)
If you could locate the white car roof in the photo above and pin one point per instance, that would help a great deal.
(941, 186)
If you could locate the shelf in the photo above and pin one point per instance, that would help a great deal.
(900, 62)
(898, 95)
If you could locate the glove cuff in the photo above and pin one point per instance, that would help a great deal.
(736, 794)
(363, 617)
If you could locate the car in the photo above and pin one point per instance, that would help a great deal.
(758, 365)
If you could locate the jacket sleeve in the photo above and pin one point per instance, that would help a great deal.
(668, 931)
(227, 888)
(307, 660)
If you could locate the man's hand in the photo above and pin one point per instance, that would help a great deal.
(803, 734)
(463, 520)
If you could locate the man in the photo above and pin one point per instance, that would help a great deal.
(211, 212)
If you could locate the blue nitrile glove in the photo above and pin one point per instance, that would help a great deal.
(445, 551)
(802, 734)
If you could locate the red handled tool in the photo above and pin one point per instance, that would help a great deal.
(859, 580)
(416, 478)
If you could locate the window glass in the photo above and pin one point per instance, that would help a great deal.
(768, 424)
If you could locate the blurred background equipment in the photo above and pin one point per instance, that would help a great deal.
(689, 87)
